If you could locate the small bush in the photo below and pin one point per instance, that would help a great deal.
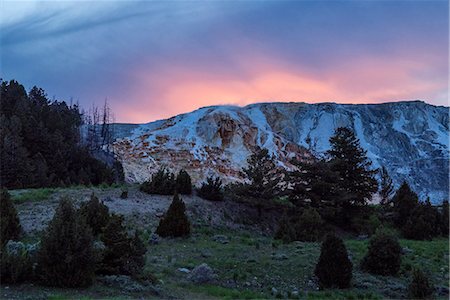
(308, 227)
(66, 257)
(16, 263)
(184, 184)
(211, 189)
(10, 228)
(162, 183)
(383, 256)
(122, 255)
(423, 223)
(124, 194)
(420, 286)
(175, 222)
(334, 269)
(95, 213)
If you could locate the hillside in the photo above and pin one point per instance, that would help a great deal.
(409, 138)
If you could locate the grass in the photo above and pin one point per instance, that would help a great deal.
(28, 195)
(247, 266)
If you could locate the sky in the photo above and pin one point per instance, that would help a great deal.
(156, 59)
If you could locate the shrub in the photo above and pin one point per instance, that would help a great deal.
(162, 182)
(308, 227)
(16, 263)
(124, 194)
(211, 189)
(122, 255)
(66, 257)
(423, 223)
(175, 222)
(383, 256)
(184, 184)
(420, 287)
(404, 202)
(334, 269)
(285, 231)
(10, 228)
(95, 213)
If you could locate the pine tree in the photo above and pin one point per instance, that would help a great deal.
(309, 227)
(334, 269)
(175, 222)
(162, 183)
(123, 255)
(183, 182)
(404, 202)
(386, 187)
(96, 214)
(383, 256)
(10, 228)
(66, 257)
(211, 189)
(117, 246)
(262, 180)
(420, 286)
(351, 161)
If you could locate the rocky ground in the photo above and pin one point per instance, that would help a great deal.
(225, 257)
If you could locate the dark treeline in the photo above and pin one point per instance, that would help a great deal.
(40, 142)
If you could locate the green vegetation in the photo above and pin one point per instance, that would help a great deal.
(10, 228)
(383, 256)
(66, 257)
(28, 195)
(211, 189)
(175, 223)
(334, 269)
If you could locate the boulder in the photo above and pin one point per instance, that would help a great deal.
(202, 274)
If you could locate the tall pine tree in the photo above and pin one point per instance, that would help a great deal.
(350, 160)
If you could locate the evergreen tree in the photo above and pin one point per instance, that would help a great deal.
(353, 166)
(262, 180)
(386, 187)
(404, 202)
(10, 228)
(66, 257)
(211, 189)
(162, 183)
(383, 256)
(183, 182)
(423, 222)
(309, 227)
(334, 269)
(95, 213)
(136, 258)
(175, 222)
(420, 286)
(117, 245)
(285, 231)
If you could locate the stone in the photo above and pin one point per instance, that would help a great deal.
(362, 237)
(108, 199)
(274, 291)
(406, 250)
(15, 248)
(220, 238)
(294, 293)
(205, 253)
(154, 239)
(279, 256)
(122, 282)
(202, 274)
(184, 270)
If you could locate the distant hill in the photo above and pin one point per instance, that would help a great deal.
(410, 138)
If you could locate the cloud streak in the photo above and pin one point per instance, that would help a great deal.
(156, 59)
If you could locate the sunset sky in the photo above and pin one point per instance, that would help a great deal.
(155, 59)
